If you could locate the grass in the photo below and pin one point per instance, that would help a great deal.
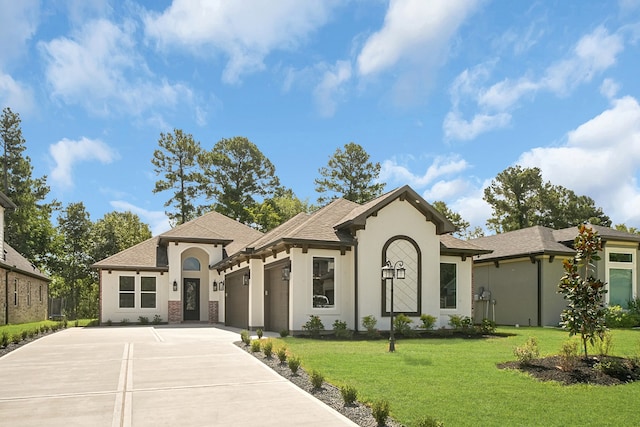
(13, 329)
(456, 381)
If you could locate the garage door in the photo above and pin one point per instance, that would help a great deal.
(236, 301)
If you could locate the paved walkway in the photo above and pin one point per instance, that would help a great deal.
(149, 376)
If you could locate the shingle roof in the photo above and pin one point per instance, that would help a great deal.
(455, 246)
(13, 259)
(212, 227)
(569, 234)
(527, 241)
(358, 216)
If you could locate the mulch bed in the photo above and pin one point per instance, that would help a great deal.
(597, 370)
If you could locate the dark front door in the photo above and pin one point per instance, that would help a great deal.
(191, 299)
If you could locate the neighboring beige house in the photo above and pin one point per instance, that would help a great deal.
(25, 289)
(327, 263)
(517, 283)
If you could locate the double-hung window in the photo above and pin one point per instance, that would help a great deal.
(148, 292)
(127, 292)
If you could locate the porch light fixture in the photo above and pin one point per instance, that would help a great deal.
(221, 286)
(175, 286)
(245, 278)
(389, 272)
(215, 286)
(286, 273)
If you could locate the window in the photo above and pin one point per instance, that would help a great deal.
(15, 291)
(28, 293)
(448, 285)
(406, 292)
(127, 291)
(617, 257)
(323, 282)
(40, 293)
(148, 292)
(191, 264)
(620, 283)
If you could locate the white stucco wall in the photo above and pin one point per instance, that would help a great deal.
(464, 298)
(111, 297)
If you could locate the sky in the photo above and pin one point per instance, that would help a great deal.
(444, 94)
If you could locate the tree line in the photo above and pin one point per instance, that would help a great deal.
(234, 178)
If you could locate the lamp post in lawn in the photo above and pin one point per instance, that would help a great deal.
(389, 272)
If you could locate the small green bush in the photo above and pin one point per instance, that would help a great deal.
(267, 348)
(16, 338)
(24, 334)
(340, 330)
(428, 321)
(617, 317)
(282, 354)
(109, 322)
(460, 322)
(349, 394)
(65, 324)
(4, 339)
(380, 411)
(32, 333)
(284, 333)
(528, 351)
(245, 337)
(402, 324)
(157, 319)
(255, 346)
(316, 379)
(259, 333)
(144, 320)
(124, 322)
(429, 422)
(569, 354)
(313, 326)
(487, 326)
(604, 343)
(369, 323)
(294, 364)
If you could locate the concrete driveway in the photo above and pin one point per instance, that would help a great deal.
(149, 376)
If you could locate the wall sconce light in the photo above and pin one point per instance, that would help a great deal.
(215, 286)
(286, 273)
(175, 286)
(221, 286)
(245, 278)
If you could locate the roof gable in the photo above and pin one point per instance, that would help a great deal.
(357, 218)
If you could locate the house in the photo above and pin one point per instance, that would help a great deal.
(25, 289)
(517, 283)
(327, 263)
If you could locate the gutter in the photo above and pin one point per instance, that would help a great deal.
(539, 262)
(356, 281)
(6, 296)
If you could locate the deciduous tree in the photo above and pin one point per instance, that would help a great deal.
(115, 232)
(237, 174)
(273, 211)
(349, 174)
(463, 227)
(177, 162)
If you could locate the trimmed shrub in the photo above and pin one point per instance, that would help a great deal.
(259, 333)
(487, 326)
(24, 334)
(340, 330)
(569, 354)
(16, 338)
(349, 394)
(429, 422)
(313, 326)
(267, 348)
(428, 322)
(255, 346)
(604, 343)
(282, 354)
(369, 323)
(617, 317)
(144, 320)
(4, 339)
(380, 411)
(460, 322)
(284, 333)
(316, 379)
(157, 319)
(402, 324)
(245, 337)
(124, 322)
(294, 364)
(528, 351)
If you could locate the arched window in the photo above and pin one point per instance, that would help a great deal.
(407, 292)
(191, 264)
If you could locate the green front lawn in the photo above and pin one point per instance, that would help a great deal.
(456, 380)
(16, 329)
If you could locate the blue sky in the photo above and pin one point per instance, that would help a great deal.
(445, 94)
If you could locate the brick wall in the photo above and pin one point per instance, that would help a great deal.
(175, 311)
(213, 311)
(27, 300)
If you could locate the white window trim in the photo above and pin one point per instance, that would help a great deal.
(135, 287)
(449, 309)
(633, 266)
(336, 286)
(155, 292)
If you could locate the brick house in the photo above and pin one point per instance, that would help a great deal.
(25, 289)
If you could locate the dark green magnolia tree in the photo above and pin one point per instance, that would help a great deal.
(349, 174)
(75, 282)
(28, 228)
(115, 232)
(275, 210)
(236, 174)
(463, 227)
(585, 312)
(519, 199)
(177, 162)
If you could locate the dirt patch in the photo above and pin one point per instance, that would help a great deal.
(599, 370)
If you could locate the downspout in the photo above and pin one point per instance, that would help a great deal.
(355, 278)
(539, 262)
(6, 297)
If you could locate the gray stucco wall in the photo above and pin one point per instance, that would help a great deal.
(552, 302)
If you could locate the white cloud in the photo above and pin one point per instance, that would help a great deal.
(609, 88)
(593, 53)
(412, 26)
(66, 153)
(100, 69)
(244, 31)
(447, 189)
(331, 87)
(18, 23)
(393, 172)
(15, 94)
(601, 159)
(157, 220)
